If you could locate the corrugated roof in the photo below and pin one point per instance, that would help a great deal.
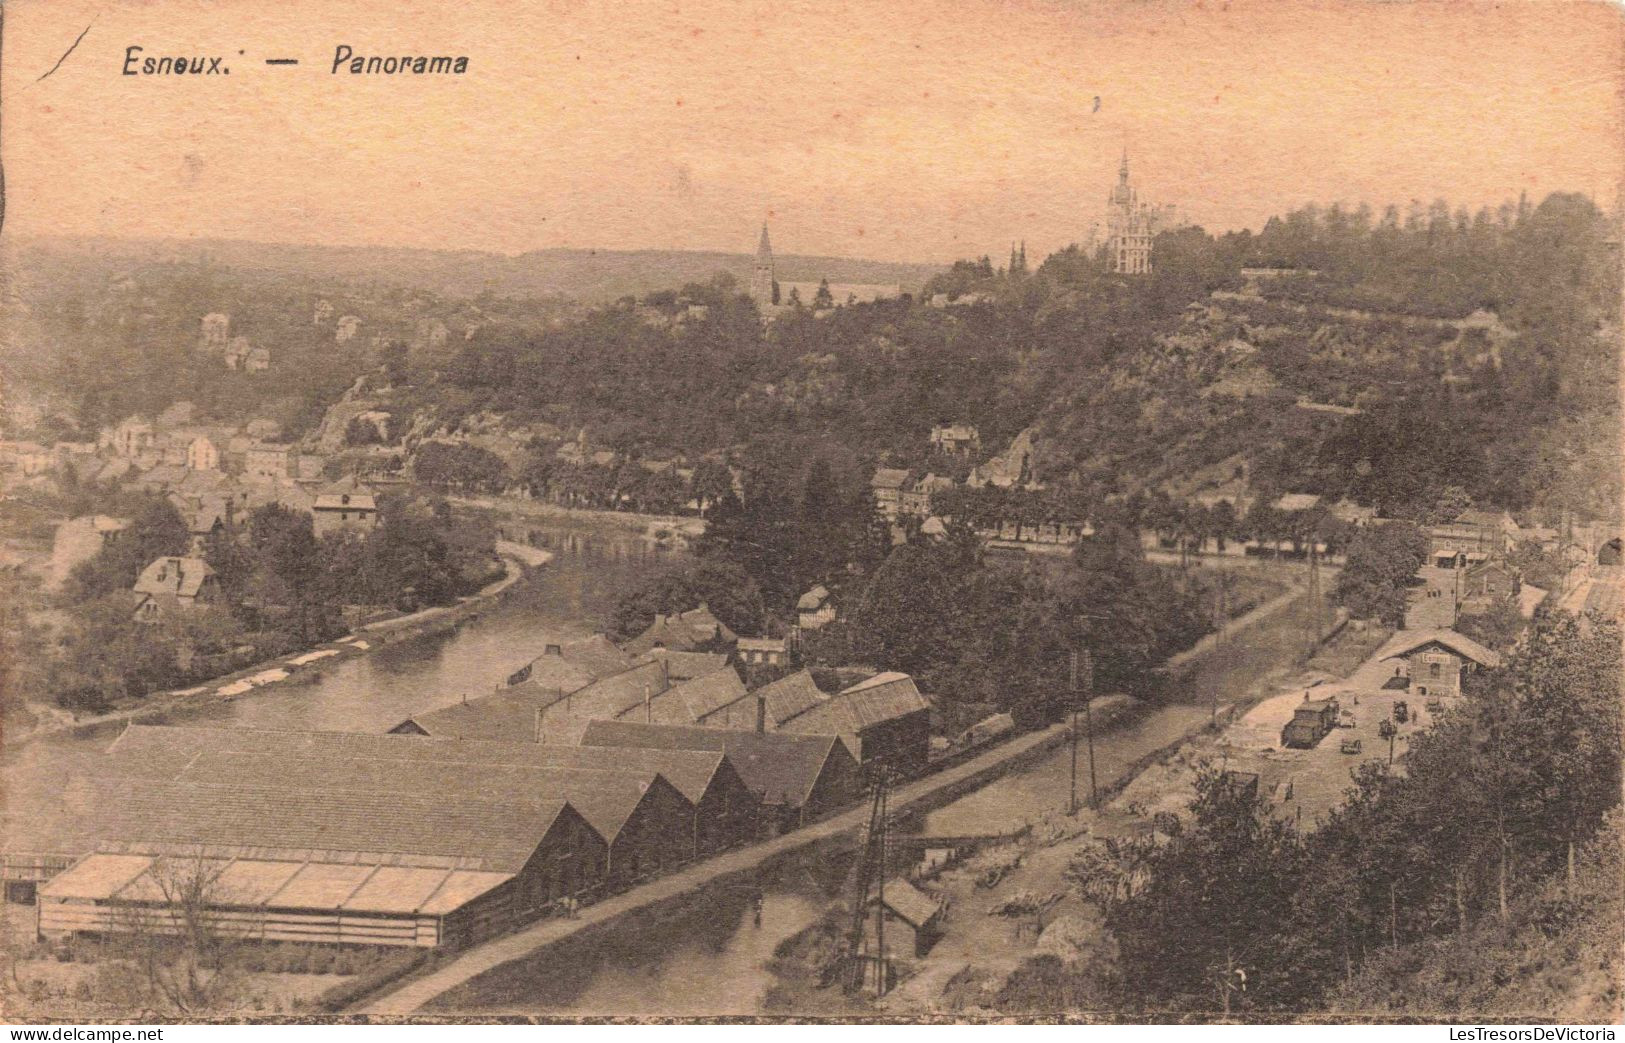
(554, 674)
(883, 697)
(493, 834)
(790, 695)
(685, 666)
(1408, 641)
(260, 883)
(605, 798)
(691, 701)
(321, 885)
(97, 877)
(596, 653)
(775, 766)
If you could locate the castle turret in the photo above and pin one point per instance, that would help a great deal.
(761, 275)
(1128, 227)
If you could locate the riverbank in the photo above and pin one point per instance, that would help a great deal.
(659, 527)
(294, 668)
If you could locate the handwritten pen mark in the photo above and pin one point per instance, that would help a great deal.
(67, 52)
(282, 61)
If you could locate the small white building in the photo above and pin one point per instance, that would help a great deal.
(202, 454)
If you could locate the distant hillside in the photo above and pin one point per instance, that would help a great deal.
(586, 275)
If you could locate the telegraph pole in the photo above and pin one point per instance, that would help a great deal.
(1072, 801)
(1083, 686)
(1089, 723)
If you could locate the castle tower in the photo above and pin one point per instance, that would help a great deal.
(1128, 227)
(761, 275)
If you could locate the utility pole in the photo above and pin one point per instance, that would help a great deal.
(1089, 724)
(1072, 801)
(1083, 687)
(1314, 597)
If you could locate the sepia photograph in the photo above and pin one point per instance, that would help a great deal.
(967, 512)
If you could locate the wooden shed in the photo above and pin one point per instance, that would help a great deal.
(287, 864)
(913, 920)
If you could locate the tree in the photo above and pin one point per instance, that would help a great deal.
(1566, 680)
(291, 573)
(725, 589)
(170, 935)
(156, 530)
(1216, 887)
(904, 618)
(823, 298)
(1381, 562)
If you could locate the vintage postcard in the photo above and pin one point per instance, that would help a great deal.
(684, 510)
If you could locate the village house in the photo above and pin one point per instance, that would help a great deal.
(171, 585)
(129, 438)
(763, 651)
(344, 506)
(206, 517)
(956, 439)
(798, 779)
(1474, 532)
(815, 608)
(202, 454)
(347, 328)
(269, 460)
(237, 352)
(696, 630)
(915, 499)
(888, 484)
(258, 360)
(883, 720)
(590, 657)
(1434, 661)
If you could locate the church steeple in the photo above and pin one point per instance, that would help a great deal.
(761, 275)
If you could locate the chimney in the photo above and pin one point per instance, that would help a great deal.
(648, 706)
(761, 713)
(538, 738)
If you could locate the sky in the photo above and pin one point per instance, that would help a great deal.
(918, 131)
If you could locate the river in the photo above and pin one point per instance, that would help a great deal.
(712, 959)
(569, 597)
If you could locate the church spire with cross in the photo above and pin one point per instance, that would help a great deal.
(761, 275)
